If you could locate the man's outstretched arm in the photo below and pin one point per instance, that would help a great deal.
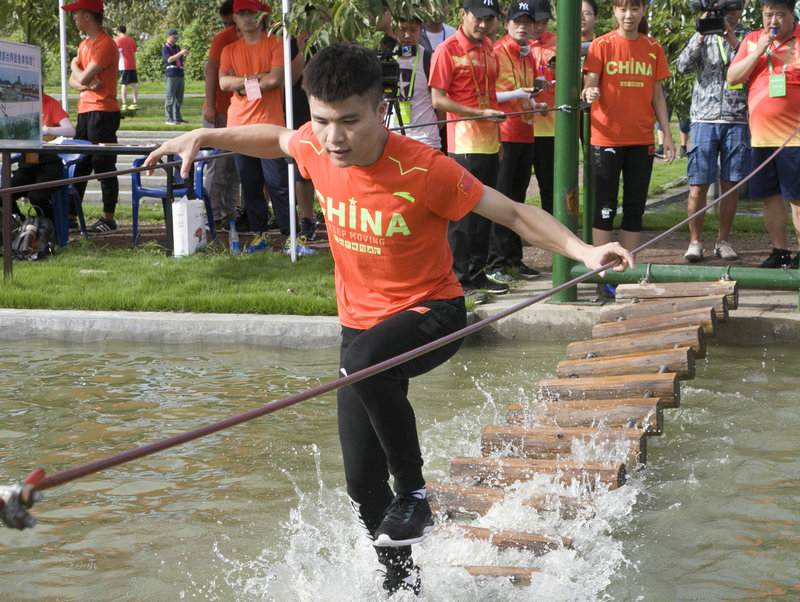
(543, 230)
(262, 141)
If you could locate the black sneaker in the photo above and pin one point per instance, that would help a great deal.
(526, 272)
(660, 152)
(477, 297)
(405, 577)
(779, 258)
(408, 518)
(307, 228)
(493, 288)
(102, 226)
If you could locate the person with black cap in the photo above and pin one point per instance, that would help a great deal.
(173, 61)
(94, 74)
(462, 82)
(515, 92)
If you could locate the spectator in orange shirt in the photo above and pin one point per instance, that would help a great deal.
(127, 69)
(543, 47)
(221, 177)
(94, 75)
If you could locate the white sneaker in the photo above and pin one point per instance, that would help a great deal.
(725, 251)
(695, 251)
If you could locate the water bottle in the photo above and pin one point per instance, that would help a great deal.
(29, 237)
(233, 240)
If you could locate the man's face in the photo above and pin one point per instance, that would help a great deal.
(82, 19)
(245, 21)
(227, 21)
(350, 131)
(520, 29)
(588, 20)
(732, 17)
(539, 27)
(779, 18)
(408, 33)
(476, 29)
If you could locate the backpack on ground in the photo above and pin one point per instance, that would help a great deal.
(36, 238)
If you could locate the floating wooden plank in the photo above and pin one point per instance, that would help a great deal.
(645, 414)
(553, 441)
(691, 336)
(705, 317)
(517, 575)
(679, 360)
(660, 290)
(465, 501)
(505, 471)
(503, 539)
(665, 386)
(626, 311)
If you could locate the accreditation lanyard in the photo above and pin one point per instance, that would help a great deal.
(725, 61)
(252, 87)
(526, 103)
(777, 81)
(483, 95)
(405, 105)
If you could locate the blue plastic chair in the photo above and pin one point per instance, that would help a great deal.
(61, 198)
(179, 189)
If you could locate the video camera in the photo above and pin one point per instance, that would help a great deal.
(714, 22)
(390, 72)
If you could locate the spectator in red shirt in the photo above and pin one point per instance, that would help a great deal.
(127, 67)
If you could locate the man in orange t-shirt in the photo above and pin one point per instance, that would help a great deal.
(387, 201)
(94, 75)
(221, 178)
(252, 68)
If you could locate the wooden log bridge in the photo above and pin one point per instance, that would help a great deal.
(609, 396)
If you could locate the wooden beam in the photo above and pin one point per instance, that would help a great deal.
(505, 471)
(704, 317)
(665, 386)
(659, 290)
(646, 414)
(503, 539)
(464, 501)
(517, 575)
(649, 307)
(680, 336)
(551, 442)
(679, 360)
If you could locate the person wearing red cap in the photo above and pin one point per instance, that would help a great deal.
(94, 75)
(252, 68)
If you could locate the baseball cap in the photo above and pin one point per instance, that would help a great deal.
(173, 32)
(251, 5)
(482, 8)
(519, 9)
(541, 10)
(94, 6)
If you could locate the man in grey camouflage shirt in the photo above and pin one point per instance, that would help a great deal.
(719, 130)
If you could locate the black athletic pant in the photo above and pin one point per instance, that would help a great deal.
(96, 127)
(544, 168)
(469, 236)
(377, 427)
(635, 163)
(513, 178)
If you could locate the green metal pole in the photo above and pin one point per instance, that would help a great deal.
(565, 184)
(588, 180)
(788, 280)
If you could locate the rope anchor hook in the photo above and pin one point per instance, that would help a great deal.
(15, 500)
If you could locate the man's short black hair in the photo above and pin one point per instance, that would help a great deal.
(122, 29)
(340, 71)
(226, 8)
(593, 4)
(775, 3)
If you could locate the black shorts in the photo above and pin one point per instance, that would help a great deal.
(128, 76)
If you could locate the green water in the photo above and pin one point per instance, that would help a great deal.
(259, 512)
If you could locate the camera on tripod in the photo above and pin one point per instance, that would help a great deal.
(390, 73)
(714, 21)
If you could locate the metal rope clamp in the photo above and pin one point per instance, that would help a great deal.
(15, 500)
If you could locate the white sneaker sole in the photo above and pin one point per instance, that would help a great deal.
(383, 540)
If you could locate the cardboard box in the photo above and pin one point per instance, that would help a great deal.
(188, 226)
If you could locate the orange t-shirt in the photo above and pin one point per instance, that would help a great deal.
(222, 39)
(128, 47)
(629, 70)
(773, 118)
(244, 59)
(104, 52)
(52, 111)
(544, 50)
(464, 70)
(387, 224)
(515, 72)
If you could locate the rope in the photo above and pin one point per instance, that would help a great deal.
(561, 108)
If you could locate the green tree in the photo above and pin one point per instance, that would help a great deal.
(672, 24)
